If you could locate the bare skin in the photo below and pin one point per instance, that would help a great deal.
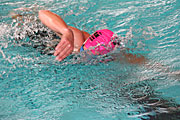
(71, 38)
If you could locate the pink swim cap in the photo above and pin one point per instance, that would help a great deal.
(100, 42)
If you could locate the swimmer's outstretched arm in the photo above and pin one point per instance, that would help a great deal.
(71, 39)
(57, 24)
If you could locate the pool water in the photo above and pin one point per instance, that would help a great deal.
(33, 86)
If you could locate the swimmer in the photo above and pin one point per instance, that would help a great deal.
(66, 39)
(75, 40)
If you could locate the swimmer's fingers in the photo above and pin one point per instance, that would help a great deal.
(63, 49)
(59, 48)
(66, 45)
(64, 53)
(60, 58)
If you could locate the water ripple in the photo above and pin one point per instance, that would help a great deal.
(38, 87)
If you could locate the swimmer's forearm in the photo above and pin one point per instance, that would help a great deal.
(53, 21)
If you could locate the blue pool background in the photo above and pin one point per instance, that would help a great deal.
(35, 86)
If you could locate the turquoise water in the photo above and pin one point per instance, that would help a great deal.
(34, 86)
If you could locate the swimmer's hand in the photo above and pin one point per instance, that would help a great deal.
(58, 25)
(65, 46)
